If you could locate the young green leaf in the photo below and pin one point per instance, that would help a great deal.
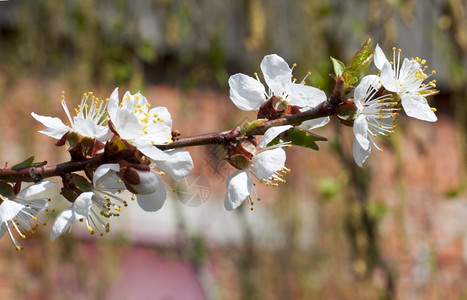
(338, 66)
(24, 164)
(300, 137)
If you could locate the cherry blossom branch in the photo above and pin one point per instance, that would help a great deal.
(222, 136)
(36, 174)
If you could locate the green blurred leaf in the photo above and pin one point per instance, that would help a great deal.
(301, 137)
(24, 164)
(328, 187)
(377, 210)
(82, 183)
(6, 190)
(338, 66)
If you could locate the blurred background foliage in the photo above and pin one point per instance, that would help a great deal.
(84, 44)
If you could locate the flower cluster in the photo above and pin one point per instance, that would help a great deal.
(125, 133)
(379, 99)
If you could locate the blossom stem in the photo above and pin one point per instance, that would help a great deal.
(222, 137)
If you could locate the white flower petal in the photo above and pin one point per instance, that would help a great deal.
(315, 123)
(268, 162)
(277, 73)
(271, 134)
(162, 115)
(360, 154)
(113, 104)
(35, 189)
(150, 150)
(238, 189)
(154, 201)
(246, 92)
(82, 205)
(387, 78)
(360, 129)
(62, 223)
(55, 127)
(89, 128)
(127, 125)
(104, 172)
(178, 163)
(305, 96)
(9, 209)
(379, 58)
(416, 106)
(148, 183)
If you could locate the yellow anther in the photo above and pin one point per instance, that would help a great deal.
(294, 64)
(433, 109)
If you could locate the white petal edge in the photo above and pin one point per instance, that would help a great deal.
(103, 172)
(268, 162)
(246, 92)
(9, 209)
(360, 154)
(271, 134)
(35, 189)
(305, 96)
(178, 163)
(360, 129)
(62, 223)
(55, 127)
(154, 201)
(238, 189)
(416, 106)
(277, 73)
(379, 58)
(315, 123)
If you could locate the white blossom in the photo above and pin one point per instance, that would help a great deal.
(375, 116)
(19, 211)
(143, 126)
(90, 120)
(406, 79)
(100, 201)
(268, 165)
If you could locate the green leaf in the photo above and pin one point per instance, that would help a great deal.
(338, 66)
(359, 63)
(6, 190)
(82, 183)
(252, 125)
(24, 164)
(301, 137)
